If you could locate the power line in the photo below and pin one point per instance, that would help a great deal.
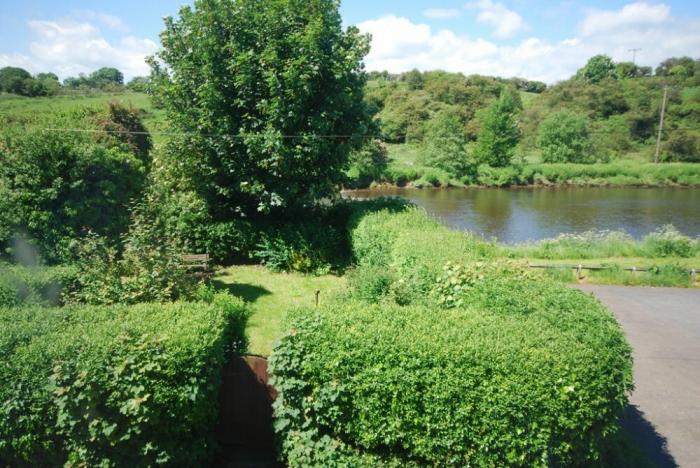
(243, 136)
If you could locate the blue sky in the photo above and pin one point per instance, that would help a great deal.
(539, 39)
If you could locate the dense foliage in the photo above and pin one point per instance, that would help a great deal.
(56, 185)
(114, 386)
(446, 145)
(267, 94)
(19, 81)
(564, 137)
(35, 285)
(500, 133)
(504, 368)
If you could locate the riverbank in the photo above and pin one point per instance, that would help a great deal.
(625, 173)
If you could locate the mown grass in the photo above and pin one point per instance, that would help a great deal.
(270, 296)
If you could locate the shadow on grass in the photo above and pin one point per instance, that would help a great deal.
(647, 440)
(247, 292)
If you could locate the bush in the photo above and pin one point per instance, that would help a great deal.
(414, 247)
(114, 386)
(149, 269)
(370, 284)
(668, 242)
(386, 385)
(55, 185)
(565, 137)
(306, 248)
(41, 286)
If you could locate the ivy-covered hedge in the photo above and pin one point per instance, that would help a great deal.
(460, 361)
(114, 386)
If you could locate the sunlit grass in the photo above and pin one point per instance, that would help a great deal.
(270, 295)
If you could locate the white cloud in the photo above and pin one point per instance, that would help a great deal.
(506, 23)
(401, 45)
(68, 47)
(634, 16)
(441, 13)
(111, 21)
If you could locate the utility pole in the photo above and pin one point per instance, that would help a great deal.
(661, 126)
(634, 55)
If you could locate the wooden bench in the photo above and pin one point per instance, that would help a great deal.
(198, 263)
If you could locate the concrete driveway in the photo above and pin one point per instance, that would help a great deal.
(663, 327)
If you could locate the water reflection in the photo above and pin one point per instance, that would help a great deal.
(516, 215)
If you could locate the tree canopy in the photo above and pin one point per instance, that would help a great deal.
(267, 95)
(500, 133)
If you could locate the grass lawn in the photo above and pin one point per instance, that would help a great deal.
(270, 295)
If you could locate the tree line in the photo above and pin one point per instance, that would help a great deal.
(19, 81)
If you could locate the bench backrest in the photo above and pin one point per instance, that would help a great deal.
(196, 261)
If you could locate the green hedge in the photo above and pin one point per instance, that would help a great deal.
(414, 246)
(44, 286)
(489, 364)
(114, 386)
(372, 385)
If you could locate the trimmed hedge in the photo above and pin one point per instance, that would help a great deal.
(114, 386)
(490, 365)
(43, 286)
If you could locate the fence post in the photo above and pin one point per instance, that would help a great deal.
(318, 292)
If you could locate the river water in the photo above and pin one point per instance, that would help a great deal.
(515, 215)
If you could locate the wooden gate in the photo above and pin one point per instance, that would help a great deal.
(245, 416)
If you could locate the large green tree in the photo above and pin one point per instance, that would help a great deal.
(598, 67)
(500, 133)
(268, 96)
(564, 136)
(446, 144)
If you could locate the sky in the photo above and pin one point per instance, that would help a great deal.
(544, 40)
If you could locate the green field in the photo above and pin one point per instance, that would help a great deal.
(26, 107)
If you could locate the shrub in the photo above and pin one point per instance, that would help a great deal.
(54, 185)
(150, 268)
(40, 285)
(114, 386)
(565, 137)
(445, 144)
(414, 247)
(302, 248)
(369, 161)
(370, 283)
(381, 385)
(668, 242)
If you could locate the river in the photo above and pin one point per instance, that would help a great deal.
(513, 215)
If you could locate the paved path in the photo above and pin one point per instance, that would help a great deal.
(663, 327)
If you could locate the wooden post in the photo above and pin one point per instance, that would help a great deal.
(661, 126)
(317, 294)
